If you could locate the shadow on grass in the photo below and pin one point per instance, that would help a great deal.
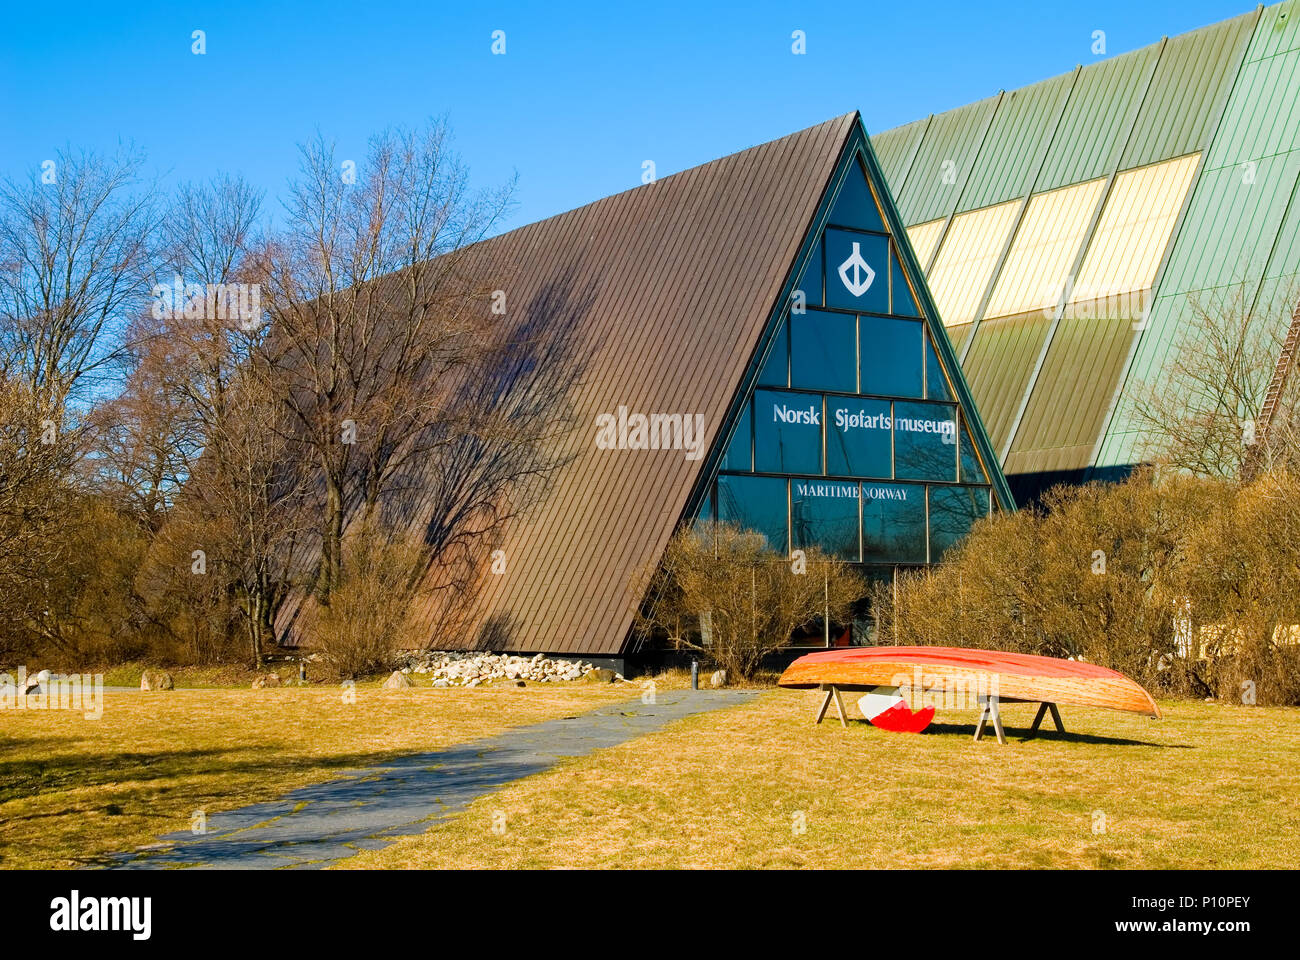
(1021, 735)
(131, 771)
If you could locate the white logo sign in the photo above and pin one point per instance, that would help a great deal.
(863, 275)
(811, 417)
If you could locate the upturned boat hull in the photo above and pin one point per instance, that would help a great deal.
(1007, 676)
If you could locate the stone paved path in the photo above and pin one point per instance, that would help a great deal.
(369, 808)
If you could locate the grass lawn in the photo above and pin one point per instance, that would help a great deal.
(1209, 786)
(73, 789)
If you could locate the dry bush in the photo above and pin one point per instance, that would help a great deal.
(370, 614)
(90, 610)
(189, 617)
(1238, 575)
(1190, 586)
(721, 592)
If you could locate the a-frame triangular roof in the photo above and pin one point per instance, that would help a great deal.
(677, 282)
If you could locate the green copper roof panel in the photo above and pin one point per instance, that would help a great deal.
(1013, 151)
(1068, 405)
(1179, 108)
(1092, 129)
(895, 148)
(998, 366)
(944, 161)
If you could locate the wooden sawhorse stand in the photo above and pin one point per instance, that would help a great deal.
(832, 691)
(989, 710)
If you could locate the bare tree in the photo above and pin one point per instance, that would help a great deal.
(180, 356)
(1202, 413)
(74, 255)
(74, 258)
(372, 320)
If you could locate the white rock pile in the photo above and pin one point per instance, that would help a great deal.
(467, 669)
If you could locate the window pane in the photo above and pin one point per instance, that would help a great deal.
(774, 372)
(811, 282)
(856, 271)
(738, 451)
(971, 471)
(825, 515)
(788, 432)
(936, 385)
(952, 511)
(903, 303)
(854, 207)
(857, 437)
(755, 503)
(824, 351)
(893, 523)
(704, 519)
(925, 441)
(892, 354)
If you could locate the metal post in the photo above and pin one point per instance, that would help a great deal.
(695, 674)
(826, 604)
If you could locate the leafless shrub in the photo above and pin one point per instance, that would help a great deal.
(722, 592)
(369, 618)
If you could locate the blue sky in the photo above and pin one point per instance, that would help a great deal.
(583, 95)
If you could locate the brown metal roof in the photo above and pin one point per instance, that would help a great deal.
(677, 279)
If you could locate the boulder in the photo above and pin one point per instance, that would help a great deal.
(599, 675)
(157, 680)
(718, 678)
(269, 680)
(398, 681)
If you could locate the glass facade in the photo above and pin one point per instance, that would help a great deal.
(851, 440)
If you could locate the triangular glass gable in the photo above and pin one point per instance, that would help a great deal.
(855, 207)
(851, 435)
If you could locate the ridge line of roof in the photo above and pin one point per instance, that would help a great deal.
(847, 119)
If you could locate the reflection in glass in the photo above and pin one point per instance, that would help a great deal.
(893, 523)
(971, 470)
(857, 437)
(824, 351)
(755, 503)
(952, 511)
(787, 432)
(824, 513)
(892, 355)
(925, 441)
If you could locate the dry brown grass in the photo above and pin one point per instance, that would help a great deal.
(73, 789)
(1211, 786)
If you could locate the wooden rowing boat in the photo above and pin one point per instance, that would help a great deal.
(980, 673)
